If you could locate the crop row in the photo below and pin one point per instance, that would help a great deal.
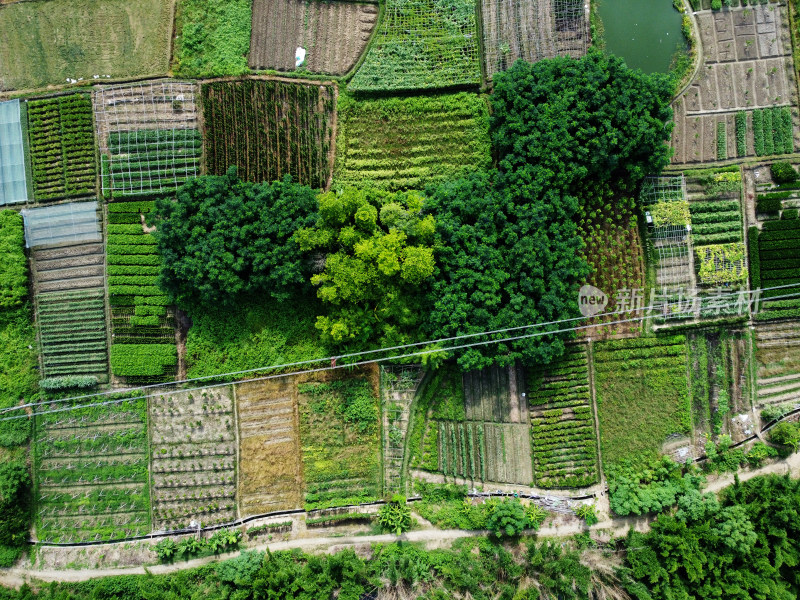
(62, 146)
(773, 131)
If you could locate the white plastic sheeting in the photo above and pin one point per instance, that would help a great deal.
(72, 223)
(13, 186)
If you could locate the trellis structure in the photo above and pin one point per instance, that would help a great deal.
(532, 30)
(149, 135)
(13, 182)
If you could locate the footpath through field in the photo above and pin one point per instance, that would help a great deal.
(15, 577)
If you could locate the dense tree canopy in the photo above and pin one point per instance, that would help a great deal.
(379, 260)
(222, 237)
(503, 263)
(509, 253)
(15, 483)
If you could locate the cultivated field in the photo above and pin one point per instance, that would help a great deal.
(91, 472)
(493, 394)
(148, 136)
(532, 31)
(270, 476)
(62, 146)
(340, 443)
(422, 44)
(562, 422)
(193, 458)
(143, 324)
(76, 39)
(69, 272)
(334, 34)
(778, 362)
(747, 66)
(407, 143)
(269, 129)
(399, 387)
(642, 394)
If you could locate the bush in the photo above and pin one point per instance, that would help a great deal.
(508, 518)
(783, 172)
(755, 259)
(15, 491)
(395, 515)
(787, 435)
(789, 214)
(722, 141)
(769, 205)
(716, 4)
(68, 382)
(741, 133)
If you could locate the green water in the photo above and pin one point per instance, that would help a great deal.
(646, 33)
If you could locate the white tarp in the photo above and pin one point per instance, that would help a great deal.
(72, 223)
(13, 187)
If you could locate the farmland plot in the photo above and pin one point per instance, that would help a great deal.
(143, 324)
(69, 271)
(407, 143)
(91, 470)
(334, 34)
(193, 458)
(399, 387)
(62, 146)
(78, 39)
(269, 129)
(642, 394)
(270, 477)
(562, 422)
(747, 66)
(340, 443)
(148, 136)
(532, 30)
(774, 260)
(778, 362)
(493, 394)
(422, 44)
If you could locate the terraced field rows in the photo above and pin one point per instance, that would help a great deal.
(270, 477)
(562, 423)
(193, 458)
(91, 471)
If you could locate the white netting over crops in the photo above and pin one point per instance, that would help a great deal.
(149, 135)
(533, 30)
(13, 186)
(672, 243)
(74, 223)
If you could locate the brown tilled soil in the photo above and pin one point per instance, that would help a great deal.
(334, 34)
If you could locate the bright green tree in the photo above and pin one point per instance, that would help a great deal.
(379, 262)
(508, 519)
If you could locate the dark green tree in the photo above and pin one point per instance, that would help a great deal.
(508, 519)
(15, 487)
(222, 237)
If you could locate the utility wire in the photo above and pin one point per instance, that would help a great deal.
(377, 350)
(359, 363)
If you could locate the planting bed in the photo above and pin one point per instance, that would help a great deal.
(269, 129)
(270, 477)
(148, 136)
(399, 387)
(562, 422)
(719, 367)
(340, 444)
(775, 262)
(493, 394)
(747, 66)
(143, 324)
(193, 462)
(407, 143)
(532, 31)
(70, 290)
(778, 362)
(642, 394)
(62, 146)
(334, 34)
(422, 44)
(91, 472)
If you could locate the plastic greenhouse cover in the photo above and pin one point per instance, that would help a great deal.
(13, 186)
(72, 223)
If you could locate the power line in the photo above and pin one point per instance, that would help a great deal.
(366, 362)
(374, 351)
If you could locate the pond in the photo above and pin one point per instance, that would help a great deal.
(646, 33)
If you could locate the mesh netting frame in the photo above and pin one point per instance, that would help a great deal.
(12, 156)
(72, 213)
(110, 118)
